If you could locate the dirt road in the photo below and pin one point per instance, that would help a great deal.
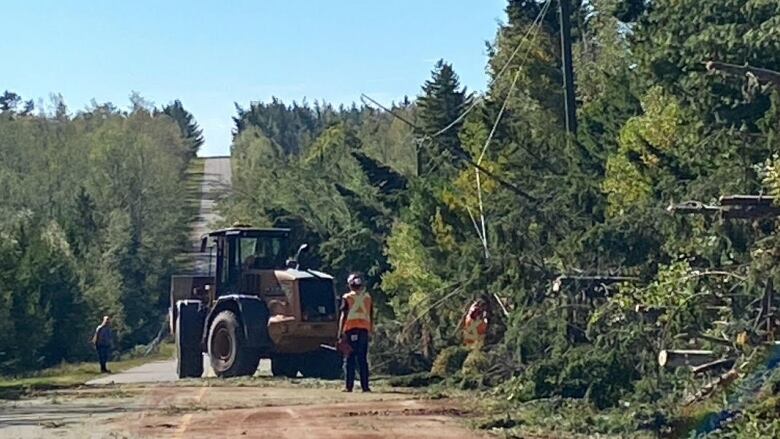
(216, 181)
(260, 407)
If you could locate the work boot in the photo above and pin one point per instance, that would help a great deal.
(366, 390)
(347, 390)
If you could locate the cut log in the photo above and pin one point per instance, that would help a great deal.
(712, 339)
(501, 305)
(680, 358)
(651, 309)
(692, 208)
(709, 388)
(746, 200)
(750, 212)
(723, 363)
(763, 75)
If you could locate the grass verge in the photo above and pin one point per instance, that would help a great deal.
(69, 375)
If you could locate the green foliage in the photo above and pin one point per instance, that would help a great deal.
(290, 128)
(770, 175)
(449, 361)
(390, 354)
(476, 363)
(601, 377)
(95, 209)
(419, 379)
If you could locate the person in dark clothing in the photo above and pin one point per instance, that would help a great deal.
(104, 340)
(356, 323)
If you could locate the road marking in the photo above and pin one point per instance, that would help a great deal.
(186, 419)
(185, 422)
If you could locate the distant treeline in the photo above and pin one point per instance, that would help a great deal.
(93, 213)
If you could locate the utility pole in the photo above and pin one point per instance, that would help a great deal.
(568, 69)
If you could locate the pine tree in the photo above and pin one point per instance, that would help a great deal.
(190, 130)
(82, 227)
(440, 104)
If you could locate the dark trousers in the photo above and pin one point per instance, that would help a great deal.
(102, 353)
(358, 340)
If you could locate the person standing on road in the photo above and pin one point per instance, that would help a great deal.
(104, 340)
(356, 323)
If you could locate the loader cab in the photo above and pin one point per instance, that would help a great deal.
(239, 250)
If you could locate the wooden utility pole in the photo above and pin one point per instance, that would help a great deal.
(568, 69)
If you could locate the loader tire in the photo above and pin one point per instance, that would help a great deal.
(249, 362)
(189, 324)
(228, 351)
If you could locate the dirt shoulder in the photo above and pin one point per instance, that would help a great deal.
(258, 407)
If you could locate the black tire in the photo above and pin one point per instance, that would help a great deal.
(284, 365)
(229, 355)
(249, 362)
(189, 324)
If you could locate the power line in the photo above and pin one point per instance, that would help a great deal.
(483, 233)
(500, 73)
(364, 97)
(512, 86)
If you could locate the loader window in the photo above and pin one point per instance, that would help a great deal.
(228, 268)
(263, 252)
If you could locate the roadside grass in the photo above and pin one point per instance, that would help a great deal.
(69, 375)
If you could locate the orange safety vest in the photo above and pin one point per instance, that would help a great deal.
(358, 311)
(474, 331)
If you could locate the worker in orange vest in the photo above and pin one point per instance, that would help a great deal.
(356, 323)
(475, 325)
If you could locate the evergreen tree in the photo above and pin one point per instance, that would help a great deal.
(440, 104)
(190, 131)
(83, 226)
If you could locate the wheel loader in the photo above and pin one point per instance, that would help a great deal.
(257, 302)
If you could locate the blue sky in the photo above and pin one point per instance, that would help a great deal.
(211, 54)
